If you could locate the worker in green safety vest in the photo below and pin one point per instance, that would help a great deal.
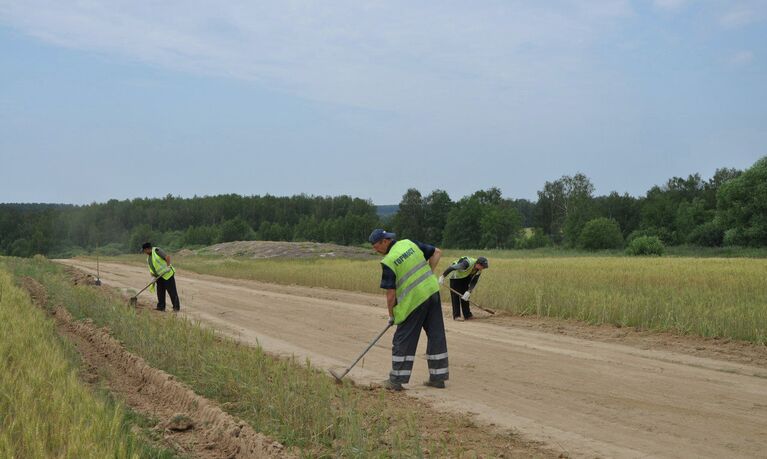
(161, 269)
(463, 274)
(412, 296)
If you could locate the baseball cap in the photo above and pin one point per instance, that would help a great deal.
(482, 261)
(379, 234)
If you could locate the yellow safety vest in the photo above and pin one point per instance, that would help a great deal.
(415, 280)
(157, 264)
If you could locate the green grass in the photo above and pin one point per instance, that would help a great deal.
(291, 402)
(44, 409)
(711, 297)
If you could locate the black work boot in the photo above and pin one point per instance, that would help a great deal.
(435, 384)
(391, 385)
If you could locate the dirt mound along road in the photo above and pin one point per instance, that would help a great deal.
(584, 397)
(269, 249)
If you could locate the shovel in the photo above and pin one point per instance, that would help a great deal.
(134, 298)
(489, 311)
(375, 340)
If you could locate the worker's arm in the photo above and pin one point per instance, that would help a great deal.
(434, 260)
(391, 300)
(473, 282)
(462, 265)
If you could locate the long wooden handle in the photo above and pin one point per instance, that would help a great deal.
(489, 311)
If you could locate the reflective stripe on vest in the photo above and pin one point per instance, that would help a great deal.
(458, 274)
(157, 264)
(415, 280)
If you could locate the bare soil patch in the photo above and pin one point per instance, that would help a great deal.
(270, 249)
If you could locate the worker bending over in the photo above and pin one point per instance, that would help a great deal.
(464, 274)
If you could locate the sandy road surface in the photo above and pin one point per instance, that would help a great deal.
(584, 397)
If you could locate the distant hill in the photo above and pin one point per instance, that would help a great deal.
(387, 210)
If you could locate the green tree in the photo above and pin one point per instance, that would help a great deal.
(601, 233)
(742, 206)
(139, 235)
(236, 229)
(501, 226)
(624, 209)
(408, 222)
(437, 206)
(564, 206)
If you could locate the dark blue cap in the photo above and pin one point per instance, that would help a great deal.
(379, 234)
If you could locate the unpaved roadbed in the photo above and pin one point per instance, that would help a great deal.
(581, 396)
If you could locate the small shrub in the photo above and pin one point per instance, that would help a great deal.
(661, 233)
(645, 245)
(536, 240)
(601, 233)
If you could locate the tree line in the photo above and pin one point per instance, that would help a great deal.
(173, 222)
(730, 208)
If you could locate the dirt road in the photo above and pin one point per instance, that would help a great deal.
(586, 398)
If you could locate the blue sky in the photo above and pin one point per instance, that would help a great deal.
(124, 99)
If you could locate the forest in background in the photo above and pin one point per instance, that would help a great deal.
(727, 209)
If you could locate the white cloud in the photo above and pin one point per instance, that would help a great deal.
(742, 57)
(375, 54)
(739, 16)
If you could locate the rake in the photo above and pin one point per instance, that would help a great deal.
(134, 298)
(489, 311)
(375, 340)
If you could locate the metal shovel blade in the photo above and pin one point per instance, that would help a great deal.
(133, 301)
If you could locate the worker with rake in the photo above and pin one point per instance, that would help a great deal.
(163, 274)
(412, 296)
(464, 274)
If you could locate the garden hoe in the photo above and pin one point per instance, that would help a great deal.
(134, 298)
(489, 311)
(375, 340)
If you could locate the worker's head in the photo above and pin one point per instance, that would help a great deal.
(381, 240)
(147, 248)
(481, 264)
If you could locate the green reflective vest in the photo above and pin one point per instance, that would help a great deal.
(157, 264)
(457, 274)
(415, 280)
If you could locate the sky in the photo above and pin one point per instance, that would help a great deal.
(108, 100)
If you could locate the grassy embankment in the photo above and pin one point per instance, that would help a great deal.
(44, 409)
(288, 401)
(712, 297)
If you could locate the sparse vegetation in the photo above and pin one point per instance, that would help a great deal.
(44, 409)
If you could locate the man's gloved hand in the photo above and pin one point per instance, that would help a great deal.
(466, 296)
(391, 321)
(441, 280)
